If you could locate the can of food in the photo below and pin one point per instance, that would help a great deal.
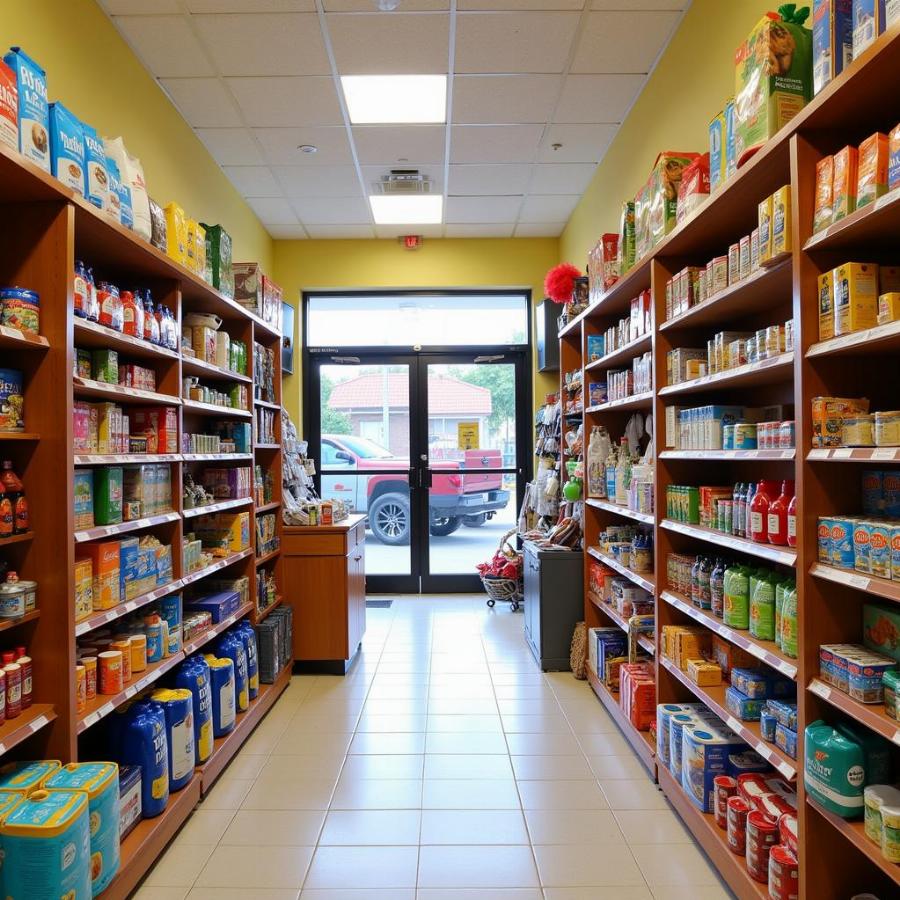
(724, 786)
(887, 427)
(155, 649)
(12, 600)
(21, 309)
(90, 676)
(744, 436)
(762, 835)
(728, 437)
(80, 689)
(787, 435)
(12, 400)
(736, 824)
(123, 646)
(109, 679)
(138, 644)
(784, 874)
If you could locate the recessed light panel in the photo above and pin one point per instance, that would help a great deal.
(396, 99)
(419, 209)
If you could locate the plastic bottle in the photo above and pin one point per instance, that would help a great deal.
(93, 304)
(705, 570)
(792, 522)
(748, 500)
(15, 491)
(717, 587)
(766, 492)
(737, 512)
(132, 320)
(151, 324)
(7, 514)
(777, 525)
(789, 623)
(623, 474)
(736, 604)
(81, 292)
(23, 661)
(611, 462)
(695, 581)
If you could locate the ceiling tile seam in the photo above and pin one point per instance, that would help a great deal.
(342, 102)
(448, 115)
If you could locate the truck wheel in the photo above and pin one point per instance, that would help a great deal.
(441, 526)
(475, 521)
(389, 519)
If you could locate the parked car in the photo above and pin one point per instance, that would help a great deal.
(454, 499)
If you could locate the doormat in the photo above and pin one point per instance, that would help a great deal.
(378, 604)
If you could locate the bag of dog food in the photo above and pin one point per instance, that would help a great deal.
(625, 248)
(834, 770)
(773, 77)
(96, 182)
(66, 148)
(665, 180)
(34, 114)
(131, 175)
(119, 196)
(9, 107)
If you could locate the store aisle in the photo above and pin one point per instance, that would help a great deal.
(446, 766)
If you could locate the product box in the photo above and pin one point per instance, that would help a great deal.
(881, 630)
(781, 222)
(203, 341)
(855, 297)
(176, 233)
(663, 185)
(765, 230)
(9, 107)
(704, 673)
(868, 23)
(642, 241)
(705, 750)
(34, 112)
(786, 739)
(66, 147)
(84, 499)
(694, 188)
(844, 183)
(272, 298)
(105, 366)
(220, 606)
(96, 178)
(108, 495)
(104, 557)
(826, 305)
(730, 139)
(823, 212)
(894, 150)
(773, 78)
(786, 713)
(717, 152)
(84, 589)
(130, 807)
(159, 424)
(888, 279)
(747, 709)
(728, 656)
(595, 347)
(128, 567)
(248, 285)
(752, 682)
(832, 40)
(872, 169)
(888, 307)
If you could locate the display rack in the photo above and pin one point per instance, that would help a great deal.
(836, 859)
(54, 227)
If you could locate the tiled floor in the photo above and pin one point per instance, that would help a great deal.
(445, 766)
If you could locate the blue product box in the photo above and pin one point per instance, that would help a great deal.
(705, 752)
(754, 683)
(34, 114)
(716, 152)
(872, 491)
(785, 713)
(890, 482)
(868, 23)
(128, 566)
(96, 178)
(220, 606)
(842, 554)
(66, 148)
(748, 761)
(596, 347)
(130, 807)
(767, 725)
(832, 30)
(170, 611)
(730, 145)
(786, 739)
(747, 709)
(84, 498)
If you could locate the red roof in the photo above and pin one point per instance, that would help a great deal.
(446, 396)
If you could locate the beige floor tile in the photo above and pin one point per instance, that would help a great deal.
(180, 865)
(465, 765)
(561, 795)
(673, 864)
(459, 724)
(467, 742)
(293, 767)
(226, 893)
(586, 865)
(524, 692)
(480, 894)
(388, 894)
(272, 867)
(604, 744)
(399, 691)
(529, 706)
(302, 725)
(363, 827)
(388, 742)
(607, 768)
(616, 892)
(298, 793)
(246, 765)
(440, 691)
(536, 724)
(312, 744)
(227, 793)
(530, 744)
(414, 706)
(391, 793)
(476, 867)
(381, 766)
(363, 867)
(401, 722)
(456, 826)
(274, 827)
(148, 892)
(643, 826)
(470, 794)
(462, 706)
(551, 768)
(639, 793)
(205, 826)
(573, 826)
(691, 892)
(456, 683)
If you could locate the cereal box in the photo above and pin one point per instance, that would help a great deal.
(717, 152)
(888, 278)
(67, 160)
(781, 222)
(828, 417)
(823, 212)
(894, 152)
(663, 186)
(84, 498)
(9, 107)
(862, 534)
(34, 113)
(888, 307)
(880, 549)
(855, 297)
(844, 191)
(773, 77)
(871, 172)
(84, 591)
(826, 305)
(868, 23)
(765, 230)
(832, 40)
(104, 556)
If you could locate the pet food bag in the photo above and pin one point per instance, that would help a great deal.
(34, 114)
(834, 770)
(695, 186)
(131, 175)
(96, 181)
(773, 77)
(66, 147)
(218, 254)
(9, 107)
(625, 248)
(662, 191)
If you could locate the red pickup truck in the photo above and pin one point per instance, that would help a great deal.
(454, 499)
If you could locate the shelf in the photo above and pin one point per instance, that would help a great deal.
(863, 229)
(572, 325)
(92, 335)
(17, 538)
(210, 409)
(259, 446)
(643, 640)
(6, 624)
(269, 332)
(221, 506)
(19, 436)
(640, 741)
(854, 454)
(871, 584)
(267, 405)
(122, 609)
(215, 567)
(636, 401)
(745, 298)
(118, 393)
(766, 651)
(217, 457)
(618, 298)
(620, 510)
(193, 645)
(755, 455)
(647, 582)
(112, 459)
(264, 613)
(203, 369)
(731, 867)
(267, 557)
(855, 832)
(877, 340)
(102, 531)
(767, 371)
(23, 726)
(872, 715)
(225, 748)
(14, 339)
(103, 704)
(770, 552)
(268, 507)
(714, 698)
(624, 353)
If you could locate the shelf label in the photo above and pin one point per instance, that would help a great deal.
(884, 453)
(888, 199)
(818, 454)
(764, 751)
(817, 237)
(858, 581)
(788, 454)
(733, 724)
(786, 770)
(820, 688)
(896, 737)
(842, 453)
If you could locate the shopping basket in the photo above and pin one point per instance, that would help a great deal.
(500, 587)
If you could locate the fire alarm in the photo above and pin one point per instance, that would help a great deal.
(412, 241)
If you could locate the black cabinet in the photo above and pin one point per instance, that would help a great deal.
(554, 602)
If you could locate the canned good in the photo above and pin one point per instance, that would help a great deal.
(13, 598)
(90, 676)
(20, 309)
(13, 674)
(745, 436)
(784, 874)
(728, 437)
(736, 824)
(110, 680)
(155, 648)
(80, 689)
(138, 643)
(762, 835)
(887, 428)
(12, 400)
(787, 435)
(724, 786)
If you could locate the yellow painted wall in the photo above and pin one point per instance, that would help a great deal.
(94, 73)
(450, 263)
(689, 86)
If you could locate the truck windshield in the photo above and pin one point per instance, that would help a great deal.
(364, 448)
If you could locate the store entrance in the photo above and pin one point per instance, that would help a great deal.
(432, 445)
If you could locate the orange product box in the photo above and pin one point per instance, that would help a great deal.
(728, 656)
(894, 158)
(708, 497)
(844, 191)
(104, 557)
(872, 169)
(823, 212)
(159, 424)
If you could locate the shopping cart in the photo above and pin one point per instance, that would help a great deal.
(496, 576)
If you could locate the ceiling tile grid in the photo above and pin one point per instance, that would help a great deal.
(536, 91)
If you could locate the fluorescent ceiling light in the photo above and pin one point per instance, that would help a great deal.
(395, 99)
(418, 209)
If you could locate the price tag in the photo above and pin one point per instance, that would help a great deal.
(788, 454)
(818, 687)
(733, 724)
(884, 453)
(105, 710)
(764, 751)
(818, 454)
(858, 581)
(896, 737)
(843, 453)
(888, 199)
(817, 237)
(786, 770)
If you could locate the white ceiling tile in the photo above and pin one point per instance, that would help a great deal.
(366, 6)
(333, 210)
(395, 231)
(493, 99)
(494, 5)
(265, 43)
(580, 143)
(514, 42)
(284, 102)
(434, 172)
(499, 230)
(339, 232)
(254, 181)
(204, 102)
(166, 45)
(231, 146)
(249, 6)
(480, 210)
(561, 178)
(280, 146)
(503, 179)
(548, 209)
(273, 210)
(287, 232)
(597, 98)
(140, 7)
(389, 144)
(494, 143)
(640, 4)
(318, 181)
(623, 41)
(394, 44)
(528, 229)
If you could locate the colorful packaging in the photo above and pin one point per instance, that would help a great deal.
(745, 708)
(663, 185)
(131, 176)
(826, 305)
(104, 557)
(129, 799)
(868, 23)
(832, 40)
(894, 153)
(844, 185)
(731, 159)
(221, 672)
(143, 744)
(881, 630)
(108, 495)
(872, 169)
(194, 676)
(781, 222)
(34, 112)
(219, 258)
(855, 297)
(178, 706)
(694, 188)
(717, 152)
(26, 777)
(96, 183)
(704, 755)
(176, 233)
(9, 107)
(66, 148)
(625, 247)
(823, 213)
(834, 770)
(765, 230)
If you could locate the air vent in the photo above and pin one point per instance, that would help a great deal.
(403, 181)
